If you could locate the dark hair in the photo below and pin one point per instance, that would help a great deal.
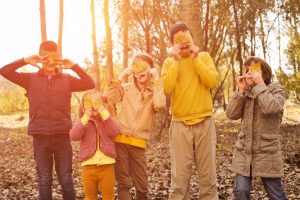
(48, 45)
(146, 57)
(265, 68)
(175, 28)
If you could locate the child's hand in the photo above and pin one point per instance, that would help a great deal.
(176, 52)
(153, 71)
(65, 63)
(241, 84)
(101, 108)
(126, 72)
(103, 112)
(33, 60)
(89, 112)
(195, 50)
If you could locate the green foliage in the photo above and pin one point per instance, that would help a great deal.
(293, 50)
(12, 100)
(291, 82)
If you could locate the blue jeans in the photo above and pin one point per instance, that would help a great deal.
(47, 151)
(272, 186)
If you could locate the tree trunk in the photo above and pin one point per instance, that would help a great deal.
(205, 46)
(279, 38)
(109, 60)
(125, 23)
(237, 36)
(95, 50)
(43, 20)
(162, 47)
(60, 28)
(148, 42)
(189, 12)
(262, 36)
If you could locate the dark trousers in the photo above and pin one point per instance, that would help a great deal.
(57, 150)
(272, 186)
(131, 166)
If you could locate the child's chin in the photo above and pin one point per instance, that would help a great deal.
(185, 53)
(249, 83)
(50, 68)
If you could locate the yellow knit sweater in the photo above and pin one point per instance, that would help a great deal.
(189, 81)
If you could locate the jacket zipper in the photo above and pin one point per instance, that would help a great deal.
(50, 80)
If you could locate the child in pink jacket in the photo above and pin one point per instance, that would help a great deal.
(96, 130)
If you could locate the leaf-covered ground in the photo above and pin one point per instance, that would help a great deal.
(18, 176)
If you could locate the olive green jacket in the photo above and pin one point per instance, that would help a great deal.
(258, 144)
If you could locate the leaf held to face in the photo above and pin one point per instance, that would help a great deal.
(140, 65)
(183, 37)
(93, 101)
(255, 67)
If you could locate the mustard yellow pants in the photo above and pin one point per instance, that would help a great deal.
(100, 178)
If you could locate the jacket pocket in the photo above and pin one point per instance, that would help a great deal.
(240, 143)
(268, 143)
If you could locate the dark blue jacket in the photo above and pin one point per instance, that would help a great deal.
(49, 97)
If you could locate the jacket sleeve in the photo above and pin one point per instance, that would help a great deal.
(9, 72)
(235, 107)
(84, 82)
(169, 74)
(77, 131)
(159, 98)
(111, 127)
(271, 101)
(205, 68)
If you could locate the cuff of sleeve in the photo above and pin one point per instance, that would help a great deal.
(155, 83)
(85, 119)
(76, 68)
(237, 95)
(104, 114)
(256, 90)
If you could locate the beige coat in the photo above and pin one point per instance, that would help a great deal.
(136, 107)
(258, 144)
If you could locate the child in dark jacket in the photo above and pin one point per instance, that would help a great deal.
(96, 130)
(49, 92)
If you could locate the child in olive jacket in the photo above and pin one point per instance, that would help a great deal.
(259, 103)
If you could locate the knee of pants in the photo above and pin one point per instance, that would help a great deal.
(45, 180)
(122, 186)
(241, 190)
(141, 190)
(123, 182)
(66, 180)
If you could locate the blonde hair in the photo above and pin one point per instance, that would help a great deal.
(90, 93)
(144, 56)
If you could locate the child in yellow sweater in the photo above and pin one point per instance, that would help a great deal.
(188, 76)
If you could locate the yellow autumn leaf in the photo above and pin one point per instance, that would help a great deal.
(139, 65)
(255, 67)
(183, 37)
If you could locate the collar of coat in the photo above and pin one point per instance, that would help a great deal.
(42, 73)
(256, 90)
